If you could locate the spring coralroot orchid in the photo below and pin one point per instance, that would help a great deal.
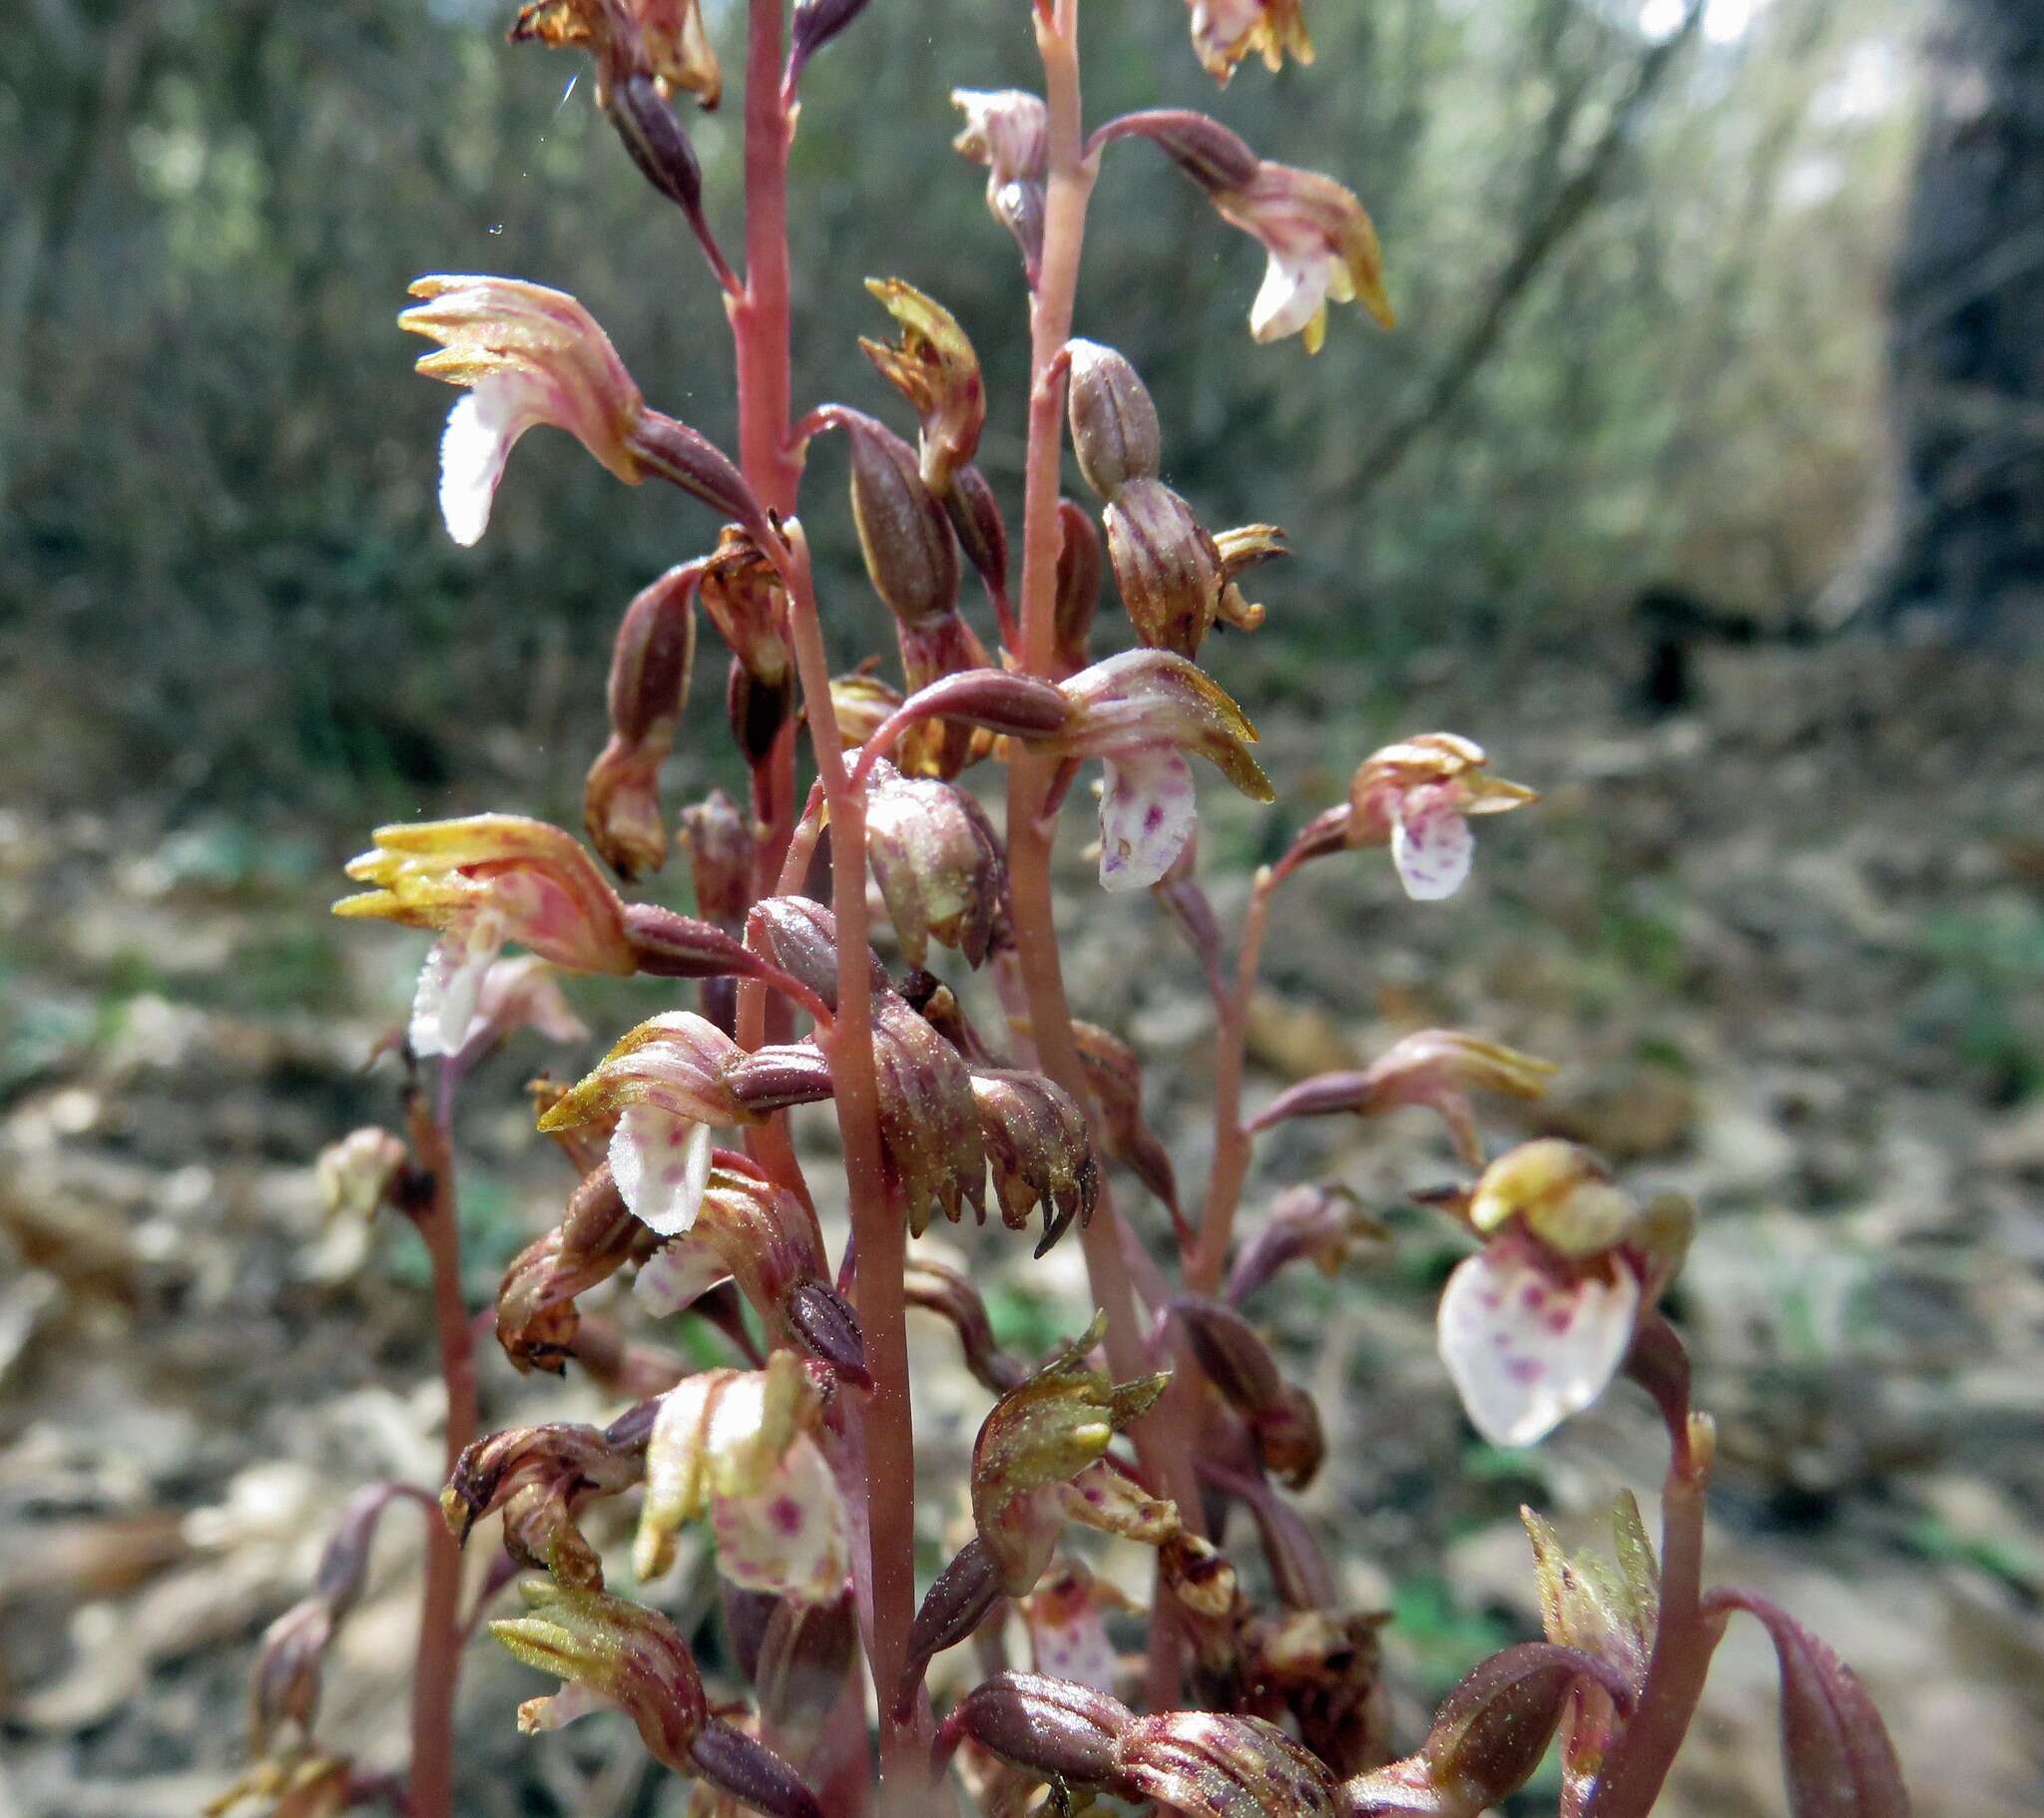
(528, 355)
(1535, 1324)
(1416, 796)
(1141, 713)
(665, 1083)
(482, 882)
(1008, 131)
(737, 1446)
(1322, 246)
(809, 1494)
(1227, 31)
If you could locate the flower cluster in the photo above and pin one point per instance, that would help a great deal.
(871, 977)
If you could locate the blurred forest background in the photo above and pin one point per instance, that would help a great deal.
(1702, 481)
(1645, 312)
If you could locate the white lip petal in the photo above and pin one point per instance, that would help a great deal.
(1077, 1648)
(1433, 849)
(661, 1164)
(1147, 810)
(676, 1275)
(1291, 294)
(448, 997)
(481, 430)
(1526, 1352)
(789, 1537)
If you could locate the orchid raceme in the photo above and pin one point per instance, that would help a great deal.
(1417, 797)
(1227, 31)
(1142, 713)
(1534, 1326)
(666, 1084)
(1323, 248)
(869, 994)
(528, 355)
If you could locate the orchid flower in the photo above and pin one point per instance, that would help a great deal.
(1417, 797)
(1141, 713)
(665, 1083)
(482, 882)
(528, 355)
(1321, 245)
(1534, 1326)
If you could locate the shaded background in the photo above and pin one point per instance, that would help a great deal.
(1702, 481)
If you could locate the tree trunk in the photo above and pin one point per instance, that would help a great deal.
(1968, 339)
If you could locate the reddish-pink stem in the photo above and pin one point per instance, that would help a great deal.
(438, 1660)
(880, 1233)
(1162, 1438)
(760, 316)
(1232, 1142)
(1684, 1641)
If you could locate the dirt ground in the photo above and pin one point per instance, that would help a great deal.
(1789, 946)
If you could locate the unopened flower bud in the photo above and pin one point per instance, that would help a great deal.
(822, 1321)
(1237, 1359)
(938, 863)
(936, 370)
(609, 1650)
(815, 24)
(1080, 564)
(1165, 564)
(720, 842)
(910, 554)
(1037, 1142)
(649, 683)
(982, 532)
(1008, 131)
(289, 1663)
(1052, 1727)
(1115, 433)
(929, 1122)
(1321, 1225)
(1208, 1766)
